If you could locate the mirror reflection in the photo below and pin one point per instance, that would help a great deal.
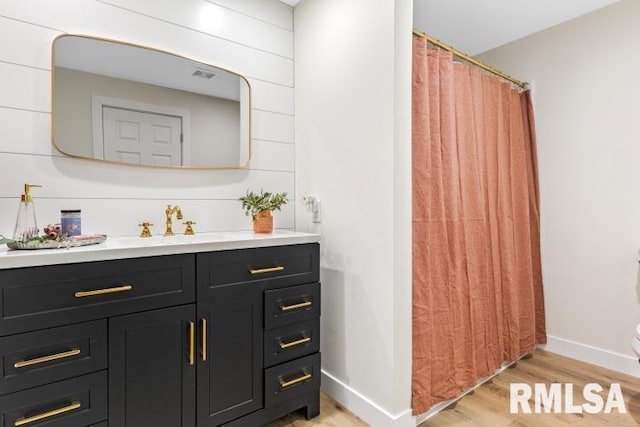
(124, 103)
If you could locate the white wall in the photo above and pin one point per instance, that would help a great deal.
(353, 152)
(586, 102)
(253, 37)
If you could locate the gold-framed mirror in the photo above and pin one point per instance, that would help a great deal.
(120, 102)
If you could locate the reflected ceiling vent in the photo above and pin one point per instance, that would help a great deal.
(204, 73)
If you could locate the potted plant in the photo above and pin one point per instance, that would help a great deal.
(259, 207)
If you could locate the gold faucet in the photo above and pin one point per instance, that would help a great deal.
(169, 212)
(146, 232)
(188, 230)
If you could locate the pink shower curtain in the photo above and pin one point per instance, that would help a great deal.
(477, 285)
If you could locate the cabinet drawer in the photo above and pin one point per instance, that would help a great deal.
(276, 266)
(77, 402)
(291, 305)
(41, 297)
(290, 342)
(291, 379)
(42, 357)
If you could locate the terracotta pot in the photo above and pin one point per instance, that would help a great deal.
(263, 222)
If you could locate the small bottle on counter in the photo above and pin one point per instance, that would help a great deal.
(26, 225)
(71, 222)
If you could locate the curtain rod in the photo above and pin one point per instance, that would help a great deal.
(466, 57)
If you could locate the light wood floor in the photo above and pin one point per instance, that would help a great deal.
(331, 415)
(488, 406)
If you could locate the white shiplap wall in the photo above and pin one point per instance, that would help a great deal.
(252, 37)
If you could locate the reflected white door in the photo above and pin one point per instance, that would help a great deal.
(142, 138)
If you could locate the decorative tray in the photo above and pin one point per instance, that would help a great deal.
(65, 242)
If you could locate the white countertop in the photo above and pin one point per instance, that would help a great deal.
(135, 247)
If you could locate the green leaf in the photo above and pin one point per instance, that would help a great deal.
(4, 240)
(254, 203)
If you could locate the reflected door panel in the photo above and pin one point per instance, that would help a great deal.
(142, 137)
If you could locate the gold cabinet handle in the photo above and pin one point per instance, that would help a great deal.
(44, 359)
(204, 340)
(294, 343)
(45, 415)
(305, 377)
(103, 291)
(266, 270)
(294, 306)
(192, 343)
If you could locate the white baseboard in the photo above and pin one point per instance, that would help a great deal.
(363, 407)
(594, 355)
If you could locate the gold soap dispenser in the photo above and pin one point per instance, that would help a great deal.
(26, 224)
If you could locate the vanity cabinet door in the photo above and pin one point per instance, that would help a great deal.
(152, 370)
(230, 365)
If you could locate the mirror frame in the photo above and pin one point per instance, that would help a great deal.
(177, 55)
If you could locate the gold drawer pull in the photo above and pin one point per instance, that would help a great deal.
(192, 343)
(45, 415)
(296, 381)
(44, 359)
(103, 291)
(294, 306)
(294, 343)
(266, 270)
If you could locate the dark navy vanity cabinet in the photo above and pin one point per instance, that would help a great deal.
(198, 339)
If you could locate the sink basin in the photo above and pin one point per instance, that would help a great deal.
(178, 239)
(197, 238)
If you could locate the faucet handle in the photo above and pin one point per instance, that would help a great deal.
(188, 231)
(145, 229)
